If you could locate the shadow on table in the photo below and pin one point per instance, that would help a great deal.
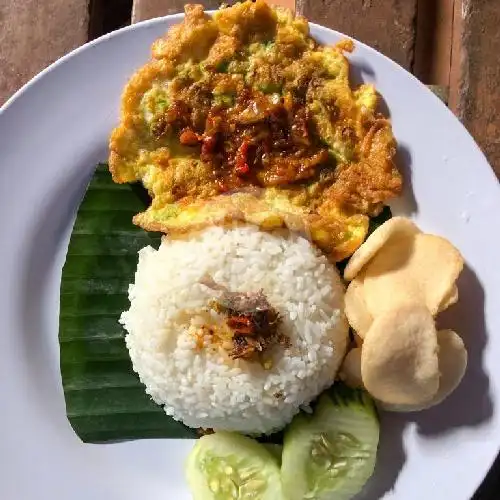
(469, 406)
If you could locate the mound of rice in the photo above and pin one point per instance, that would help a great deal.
(204, 387)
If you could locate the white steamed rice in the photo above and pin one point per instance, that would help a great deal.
(202, 387)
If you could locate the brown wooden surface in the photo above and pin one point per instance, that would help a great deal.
(147, 9)
(475, 74)
(433, 45)
(33, 34)
(387, 25)
(108, 15)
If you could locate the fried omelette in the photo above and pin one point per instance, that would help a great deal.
(243, 116)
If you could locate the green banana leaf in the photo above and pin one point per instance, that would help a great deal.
(105, 401)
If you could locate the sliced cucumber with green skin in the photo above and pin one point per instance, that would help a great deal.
(275, 450)
(227, 466)
(331, 454)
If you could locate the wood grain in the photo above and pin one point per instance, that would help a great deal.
(433, 41)
(35, 33)
(147, 9)
(108, 15)
(387, 25)
(290, 4)
(475, 73)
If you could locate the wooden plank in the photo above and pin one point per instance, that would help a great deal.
(35, 33)
(433, 41)
(440, 91)
(456, 55)
(289, 4)
(475, 73)
(387, 25)
(147, 9)
(106, 16)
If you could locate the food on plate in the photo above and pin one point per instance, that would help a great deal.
(392, 229)
(338, 237)
(452, 359)
(331, 454)
(399, 357)
(409, 267)
(358, 341)
(251, 327)
(422, 269)
(356, 309)
(264, 168)
(235, 329)
(450, 299)
(401, 278)
(350, 370)
(452, 362)
(246, 101)
(228, 465)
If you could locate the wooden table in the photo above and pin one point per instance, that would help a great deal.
(453, 45)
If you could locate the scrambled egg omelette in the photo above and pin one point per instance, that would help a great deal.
(243, 116)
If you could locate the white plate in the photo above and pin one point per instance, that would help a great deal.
(54, 130)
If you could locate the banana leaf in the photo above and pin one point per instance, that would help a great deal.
(105, 401)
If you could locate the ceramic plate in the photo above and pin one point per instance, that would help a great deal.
(54, 131)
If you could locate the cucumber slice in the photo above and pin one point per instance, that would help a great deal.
(331, 454)
(275, 450)
(226, 466)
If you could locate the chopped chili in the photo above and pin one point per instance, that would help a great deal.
(263, 139)
(253, 321)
